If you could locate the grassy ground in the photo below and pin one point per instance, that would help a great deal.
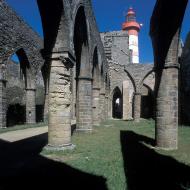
(122, 152)
(20, 127)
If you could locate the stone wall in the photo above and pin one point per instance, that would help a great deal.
(17, 37)
(17, 34)
(128, 77)
(16, 95)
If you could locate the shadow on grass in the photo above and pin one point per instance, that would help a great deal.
(147, 169)
(21, 167)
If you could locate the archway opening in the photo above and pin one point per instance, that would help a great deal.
(96, 89)
(15, 90)
(117, 110)
(81, 43)
(83, 73)
(147, 102)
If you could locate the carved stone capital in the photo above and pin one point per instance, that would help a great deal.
(171, 65)
(84, 78)
(137, 94)
(66, 57)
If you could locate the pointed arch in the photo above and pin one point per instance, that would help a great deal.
(81, 45)
(132, 78)
(55, 24)
(95, 69)
(117, 103)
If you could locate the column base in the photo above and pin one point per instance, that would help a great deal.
(3, 127)
(59, 148)
(165, 149)
(137, 120)
(96, 124)
(84, 130)
(30, 123)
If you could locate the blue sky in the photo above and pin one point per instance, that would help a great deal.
(110, 14)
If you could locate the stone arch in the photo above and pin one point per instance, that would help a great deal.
(151, 71)
(25, 67)
(132, 78)
(117, 100)
(19, 38)
(83, 73)
(102, 90)
(55, 25)
(81, 45)
(30, 85)
(147, 102)
(95, 68)
(95, 88)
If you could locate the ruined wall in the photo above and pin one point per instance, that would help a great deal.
(16, 95)
(16, 37)
(135, 74)
(16, 34)
(15, 85)
(116, 46)
(122, 70)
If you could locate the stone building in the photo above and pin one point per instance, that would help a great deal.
(89, 77)
(132, 84)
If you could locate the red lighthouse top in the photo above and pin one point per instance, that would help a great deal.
(131, 23)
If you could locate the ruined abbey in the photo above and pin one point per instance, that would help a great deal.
(76, 77)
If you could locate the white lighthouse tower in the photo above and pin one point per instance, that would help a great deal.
(133, 28)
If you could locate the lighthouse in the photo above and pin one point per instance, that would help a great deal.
(133, 28)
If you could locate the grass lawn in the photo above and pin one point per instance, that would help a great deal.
(123, 154)
(20, 127)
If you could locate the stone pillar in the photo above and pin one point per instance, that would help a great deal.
(126, 104)
(102, 105)
(110, 107)
(137, 106)
(95, 106)
(74, 93)
(106, 107)
(46, 107)
(59, 127)
(167, 100)
(84, 104)
(3, 105)
(30, 106)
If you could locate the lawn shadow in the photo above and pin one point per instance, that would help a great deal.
(149, 170)
(22, 167)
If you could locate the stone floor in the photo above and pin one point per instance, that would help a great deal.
(14, 136)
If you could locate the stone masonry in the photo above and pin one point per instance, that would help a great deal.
(17, 37)
(129, 78)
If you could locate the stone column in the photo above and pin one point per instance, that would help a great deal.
(74, 93)
(95, 105)
(126, 104)
(46, 107)
(102, 105)
(110, 107)
(3, 103)
(84, 104)
(30, 106)
(137, 106)
(106, 106)
(59, 127)
(167, 100)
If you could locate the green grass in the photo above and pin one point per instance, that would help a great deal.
(100, 153)
(20, 127)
